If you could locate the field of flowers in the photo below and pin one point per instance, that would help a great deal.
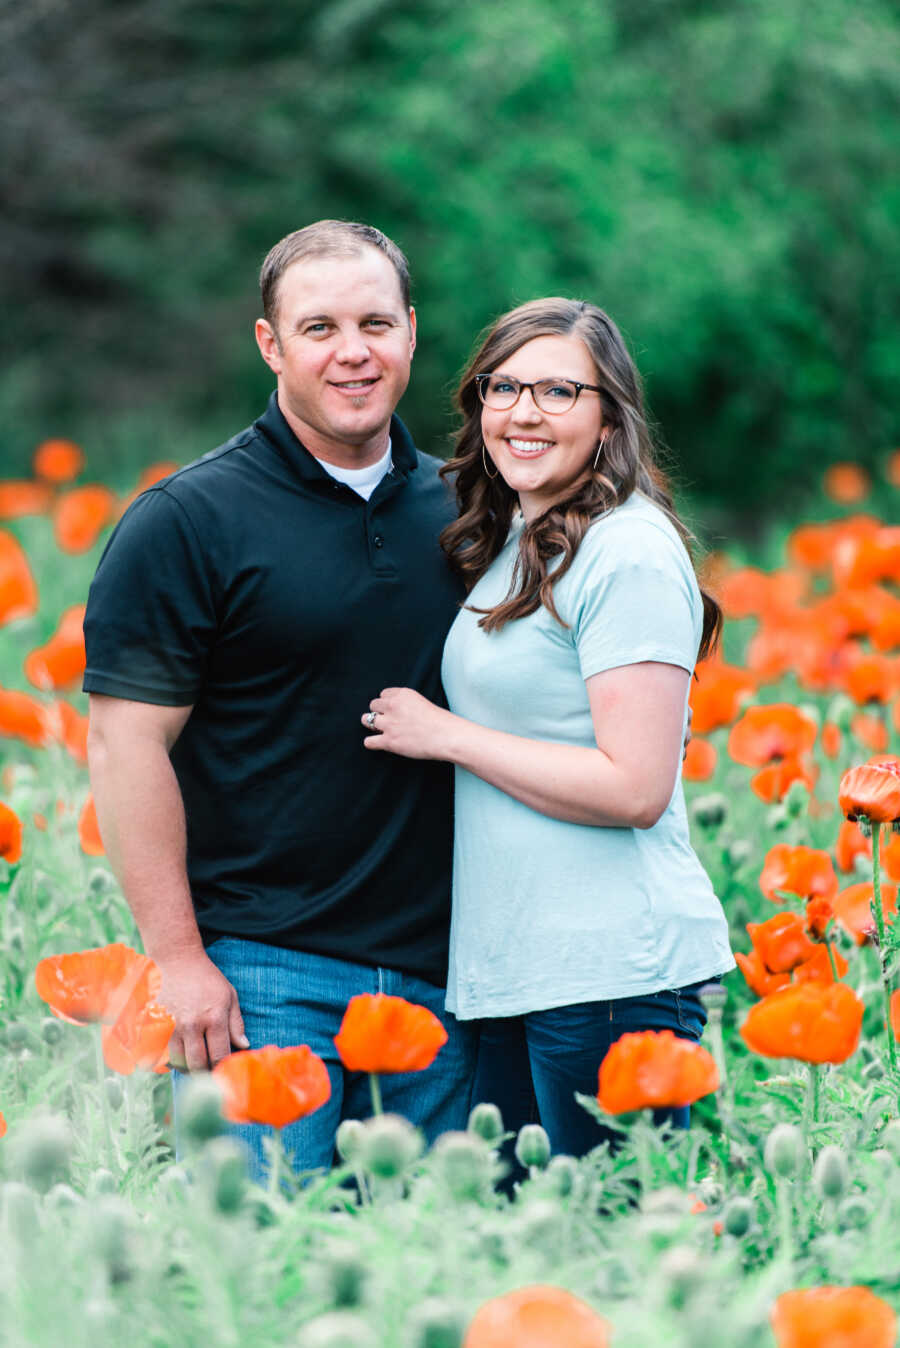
(772, 1221)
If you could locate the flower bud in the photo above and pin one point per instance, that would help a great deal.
(532, 1146)
(435, 1323)
(710, 1191)
(62, 1196)
(19, 1209)
(390, 1144)
(739, 853)
(463, 1162)
(19, 1036)
(854, 1212)
(561, 1172)
(113, 1236)
(682, 1269)
(104, 1181)
(486, 1122)
(338, 1329)
(224, 1168)
(830, 1173)
(891, 1138)
(841, 711)
(44, 1151)
(784, 1150)
(51, 1030)
(796, 799)
(713, 998)
(778, 818)
(100, 880)
(344, 1273)
(348, 1139)
(199, 1108)
(540, 1225)
(710, 811)
(114, 1092)
(738, 1217)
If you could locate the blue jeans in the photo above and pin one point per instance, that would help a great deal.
(531, 1066)
(291, 997)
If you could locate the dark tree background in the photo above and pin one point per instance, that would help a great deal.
(722, 177)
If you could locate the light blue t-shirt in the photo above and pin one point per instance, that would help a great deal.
(548, 913)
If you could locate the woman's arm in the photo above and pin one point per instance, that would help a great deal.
(626, 782)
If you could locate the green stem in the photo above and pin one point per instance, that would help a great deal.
(785, 1226)
(104, 1102)
(878, 913)
(813, 1096)
(275, 1169)
(641, 1135)
(375, 1088)
(832, 961)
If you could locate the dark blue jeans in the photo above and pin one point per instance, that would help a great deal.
(531, 1066)
(290, 997)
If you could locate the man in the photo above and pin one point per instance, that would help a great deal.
(243, 615)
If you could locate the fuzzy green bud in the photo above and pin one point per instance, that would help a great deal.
(113, 1236)
(738, 1217)
(62, 1196)
(44, 1151)
(682, 1269)
(710, 1191)
(51, 1030)
(435, 1323)
(710, 811)
(200, 1109)
(841, 711)
(390, 1144)
(344, 1273)
(349, 1139)
(532, 1146)
(739, 853)
(830, 1173)
(778, 818)
(19, 1036)
(338, 1329)
(784, 1150)
(539, 1225)
(796, 799)
(561, 1173)
(486, 1122)
(104, 1181)
(100, 881)
(854, 1212)
(114, 1092)
(463, 1162)
(19, 1209)
(224, 1167)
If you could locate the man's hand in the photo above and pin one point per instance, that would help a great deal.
(208, 1018)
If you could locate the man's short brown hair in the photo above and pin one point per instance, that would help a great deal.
(325, 238)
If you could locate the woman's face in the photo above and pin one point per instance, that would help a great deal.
(541, 454)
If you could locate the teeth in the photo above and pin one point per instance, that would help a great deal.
(357, 383)
(531, 446)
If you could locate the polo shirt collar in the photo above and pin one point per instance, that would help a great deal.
(273, 425)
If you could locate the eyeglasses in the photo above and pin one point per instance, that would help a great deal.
(501, 392)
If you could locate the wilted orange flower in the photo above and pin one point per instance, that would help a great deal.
(851, 844)
(833, 1317)
(90, 985)
(18, 591)
(717, 694)
(537, 1317)
(22, 717)
(804, 871)
(831, 739)
(23, 498)
(757, 976)
(766, 733)
(62, 659)
(812, 1021)
(781, 942)
(871, 792)
(819, 913)
(699, 761)
(80, 515)
(853, 909)
(818, 967)
(654, 1069)
(388, 1034)
(846, 483)
(57, 460)
(771, 783)
(89, 830)
(274, 1086)
(10, 835)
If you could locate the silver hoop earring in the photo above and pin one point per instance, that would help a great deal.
(488, 472)
(600, 448)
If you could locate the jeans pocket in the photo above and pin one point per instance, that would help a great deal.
(689, 1010)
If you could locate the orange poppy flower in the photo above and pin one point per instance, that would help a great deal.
(40, 822)
(18, 591)
(846, 483)
(23, 498)
(274, 1086)
(892, 471)
(2, 1125)
(537, 1317)
(870, 678)
(811, 545)
(781, 942)
(871, 792)
(654, 1069)
(139, 1036)
(818, 968)
(845, 1317)
(819, 913)
(388, 1034)
(699, 761)
(68, 727)
(895, 1014)
(757, 976)
(851, 844)
(23, 717)
(80, 515)
(811, 1021)
(89, 830)
(853, 909)
(57, 460)
(91, 985)
(766, 733)
(717, 694)
(62, 659)
(884, 632)
(890, 855)
(804, 871)
(771, 783)
(831, 739)
(870, 731)
(771, 651)
(151, 475)
(10, 835)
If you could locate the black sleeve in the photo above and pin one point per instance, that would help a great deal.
(151, 614)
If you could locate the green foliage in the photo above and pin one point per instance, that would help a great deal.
(721, 177)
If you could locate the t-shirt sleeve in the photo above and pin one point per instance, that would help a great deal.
(151, 613)
(638, 601)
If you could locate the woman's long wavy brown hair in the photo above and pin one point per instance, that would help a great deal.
(486, 504)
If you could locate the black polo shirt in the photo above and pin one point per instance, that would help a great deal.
(278, 602)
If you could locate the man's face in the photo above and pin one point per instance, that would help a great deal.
(341, 349)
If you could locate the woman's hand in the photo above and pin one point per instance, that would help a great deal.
(406, 723)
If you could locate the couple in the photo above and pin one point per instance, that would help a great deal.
(310, 575)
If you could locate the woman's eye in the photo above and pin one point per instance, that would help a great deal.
(559, 391)
(502, 386)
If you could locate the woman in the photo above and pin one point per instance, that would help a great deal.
(580, 910)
